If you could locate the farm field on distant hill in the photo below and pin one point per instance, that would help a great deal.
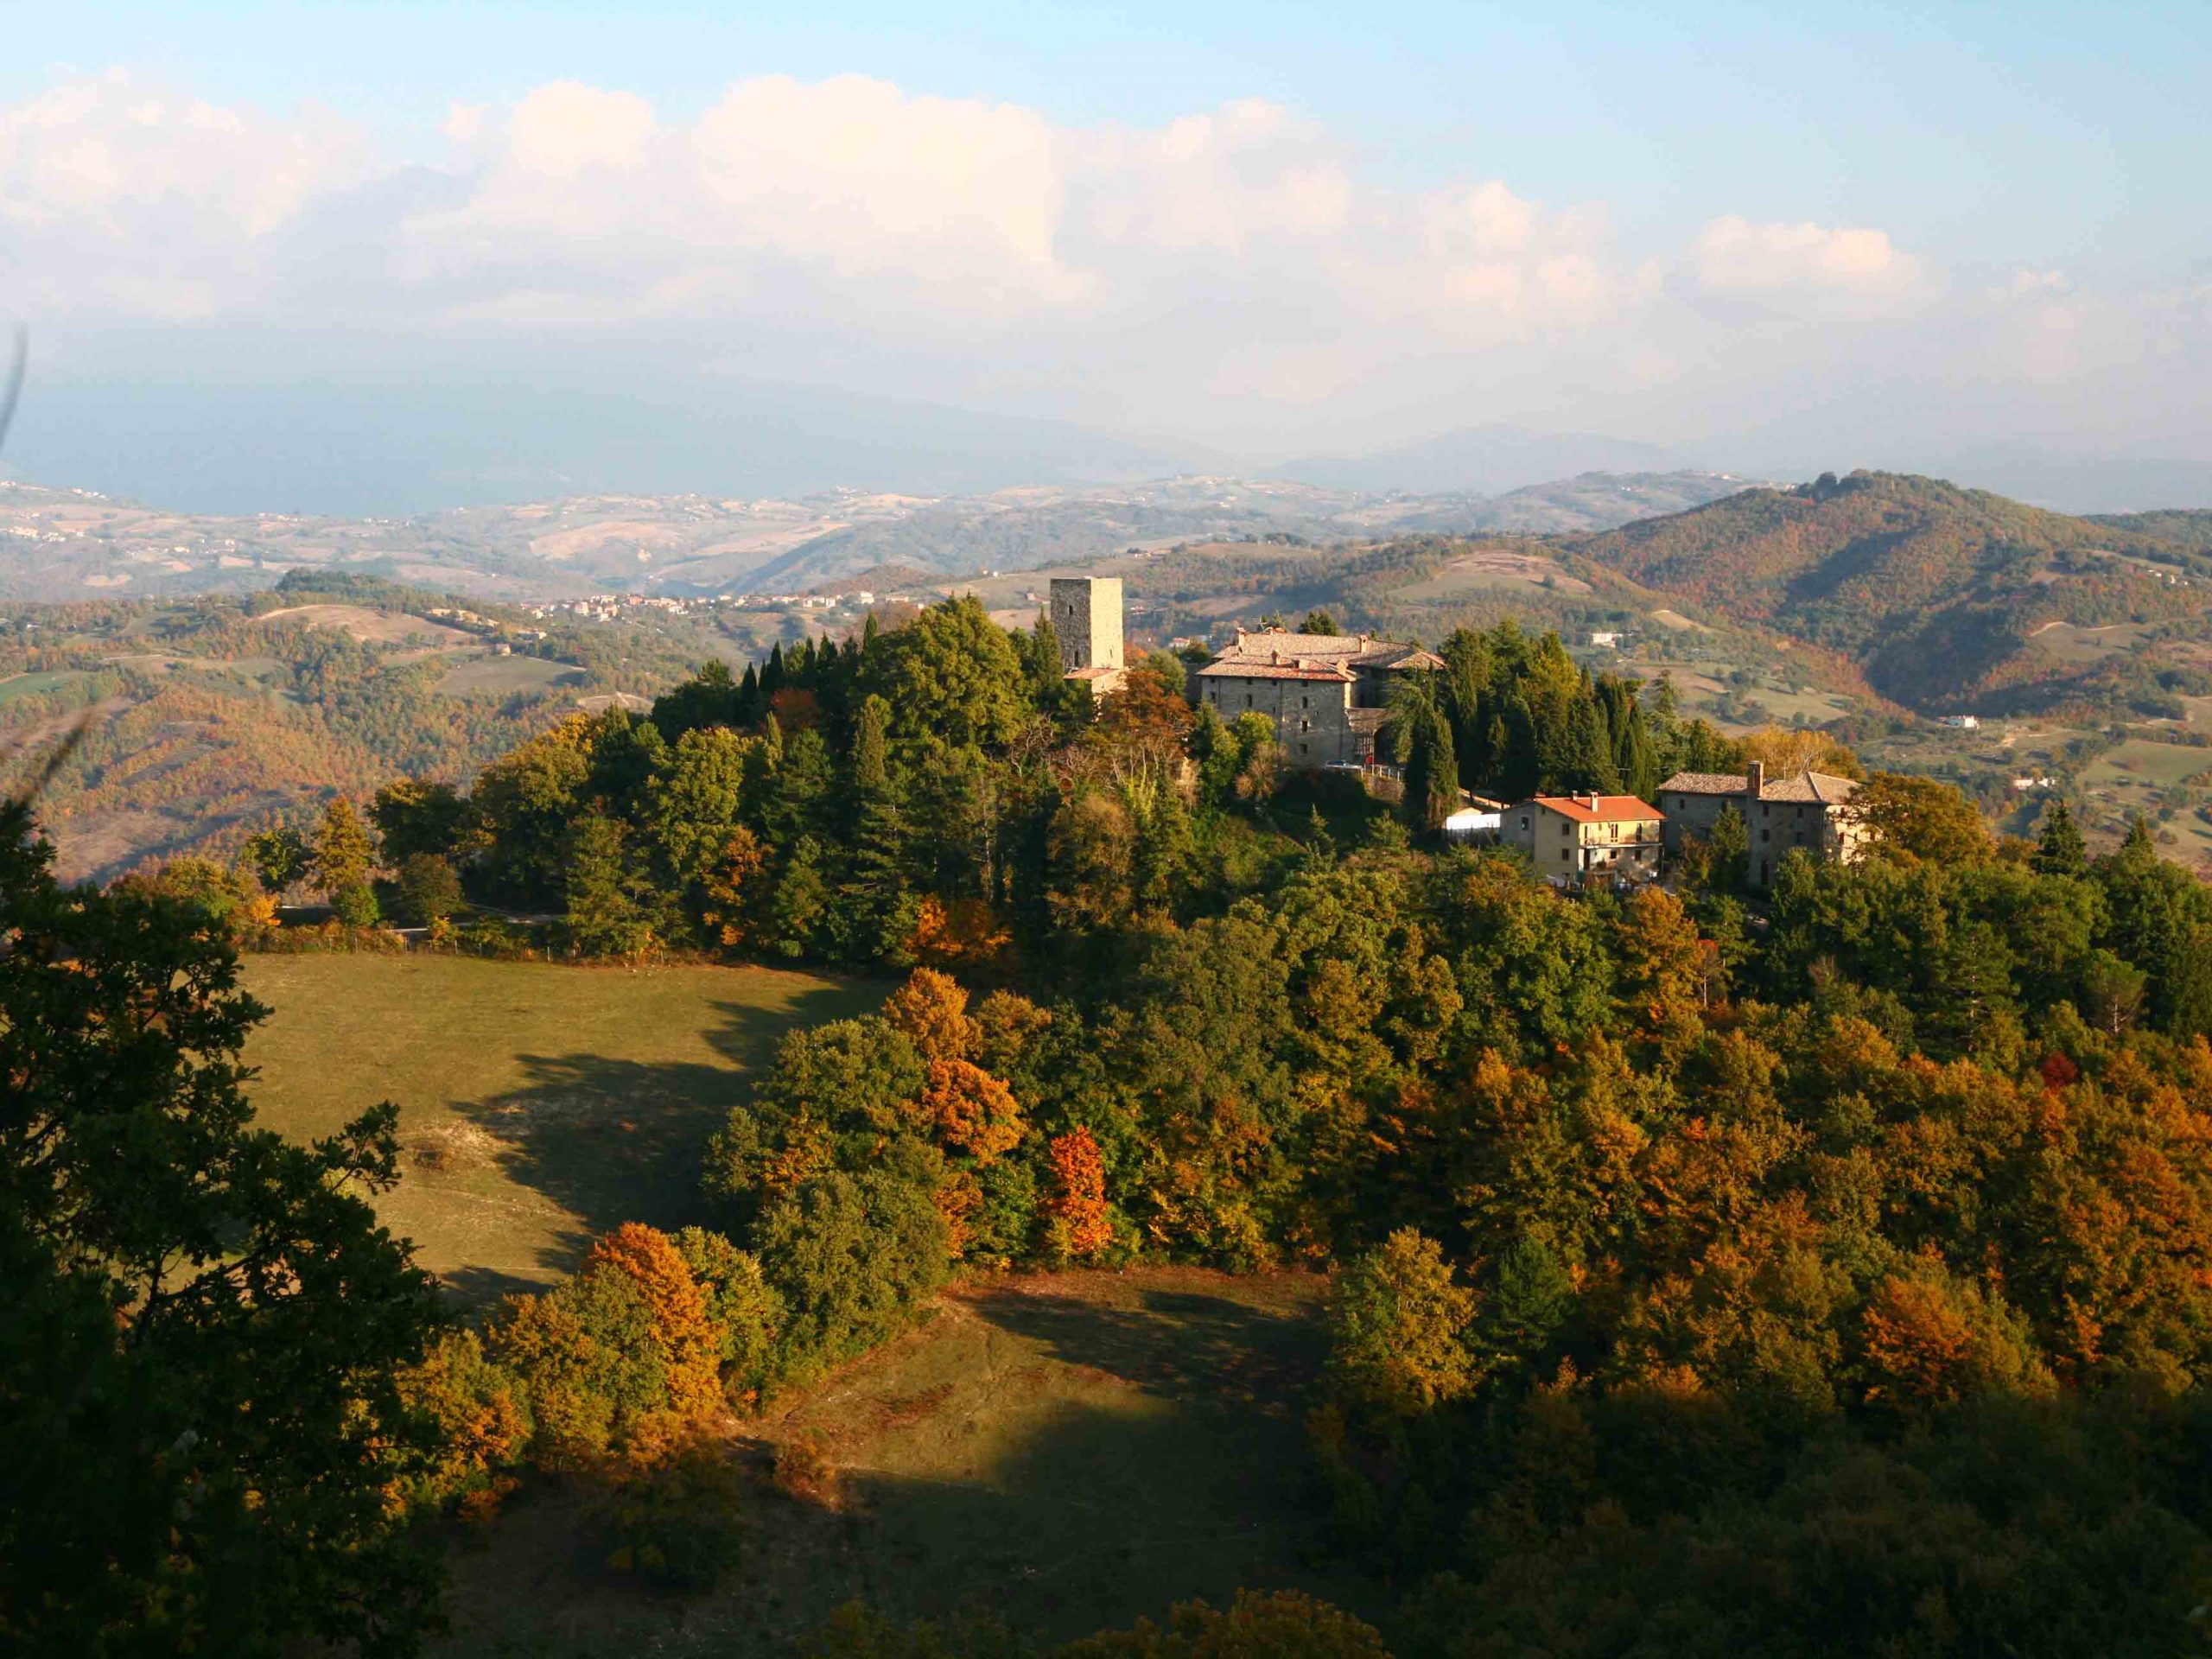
(539, 1105)
(1073, 1450)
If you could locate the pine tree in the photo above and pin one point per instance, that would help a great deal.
(1731, 851)
(608, 912)
(873, 900)
(1422, 742)
(794, 796)
(1497, 754)
(802, 897)
(2061, 852)
(1044, 659)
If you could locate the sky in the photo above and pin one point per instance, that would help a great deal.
(1774, 237)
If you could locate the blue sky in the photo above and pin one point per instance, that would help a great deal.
(1260, 228)
(2025, 131)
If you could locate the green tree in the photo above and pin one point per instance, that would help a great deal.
(2061, 850)
(1729, 848)
(854, 1257)
(205, 1321)
(696, 798)
(412, 817)
(1422, 743)
(611, 903)
(428, 890)
(1318, 622)
(1398, 1327)
(953, 671)
(800, 901)
(280, 857)
(343, 854)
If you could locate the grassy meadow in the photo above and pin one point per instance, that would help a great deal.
(1073, 1451)
(539, 1104)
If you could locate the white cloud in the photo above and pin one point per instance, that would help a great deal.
(119, 196)
(1736, 257)
(1235, 271)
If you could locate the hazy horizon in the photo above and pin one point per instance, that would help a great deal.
(301, 258)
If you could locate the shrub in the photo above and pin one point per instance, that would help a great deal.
(805, 1472)
(482, 1426)
(745, 1311)
(1273, 1624)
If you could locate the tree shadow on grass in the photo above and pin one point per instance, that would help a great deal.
(1158, 1453)
(1116, 1456)
(477, 1291)
(611, 1141)
(1172, 1343)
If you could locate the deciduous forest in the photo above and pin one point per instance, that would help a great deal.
(1826, 1272)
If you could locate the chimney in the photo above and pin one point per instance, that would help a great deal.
(1754, 780)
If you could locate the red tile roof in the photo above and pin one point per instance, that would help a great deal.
(1602, 809)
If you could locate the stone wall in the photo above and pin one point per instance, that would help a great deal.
(1311, 717)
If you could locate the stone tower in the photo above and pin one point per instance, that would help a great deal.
(1087, 617)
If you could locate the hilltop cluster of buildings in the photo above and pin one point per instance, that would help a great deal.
(1328, 696)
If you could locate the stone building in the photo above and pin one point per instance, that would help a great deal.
(1571, 838)
(1812, 811)
(1086, 614)
(1326, 693)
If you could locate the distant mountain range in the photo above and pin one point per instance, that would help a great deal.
(1481, 460)
(71, 544)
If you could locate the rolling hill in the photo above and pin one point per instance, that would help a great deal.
(1942, 596)
(66, 545)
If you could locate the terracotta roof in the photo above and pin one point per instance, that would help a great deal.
(1810, 786)
(1602, 809)
(1093, 674)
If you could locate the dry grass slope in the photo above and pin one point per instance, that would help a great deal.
(1073, 1451)
(539, 1105)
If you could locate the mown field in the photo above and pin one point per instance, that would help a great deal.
(1072, 1450)
(539, 1105)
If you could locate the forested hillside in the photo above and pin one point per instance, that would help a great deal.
(1939, 592)
(204, 720)
(1816, 1273)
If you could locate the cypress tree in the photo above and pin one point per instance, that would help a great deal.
(873, 900)
(2061, 851)
(1044, 659)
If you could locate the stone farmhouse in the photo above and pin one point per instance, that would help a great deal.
(1812, 811)
(1573, 838)
(1326, 693)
